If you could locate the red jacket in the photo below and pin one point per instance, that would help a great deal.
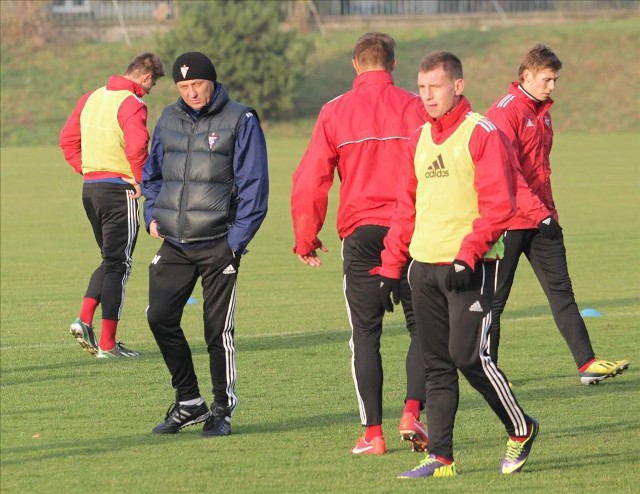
(527, 125)
(132, 117)
(493, 180)
(363, 133)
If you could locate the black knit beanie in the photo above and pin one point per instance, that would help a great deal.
(193, 65)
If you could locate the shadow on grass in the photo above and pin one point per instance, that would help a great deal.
(89, 368)
(535, 465)
(553, 435)
(293, 340)
(94, 446)
(611, 386)
(91, 447)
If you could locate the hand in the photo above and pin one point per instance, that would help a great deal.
(389, 287)
(549, 228)
(312, 259)
(237, 255)
(138, 193)
(153, 230)
(459, 277)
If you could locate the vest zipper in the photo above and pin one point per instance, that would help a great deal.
(183, 200)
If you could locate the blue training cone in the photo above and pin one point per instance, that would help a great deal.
(590, 313)
(192, 300)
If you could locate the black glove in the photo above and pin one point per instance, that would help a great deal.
(459, 277)
(549, 228)
(389, 287)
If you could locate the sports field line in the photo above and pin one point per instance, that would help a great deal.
(240, 336)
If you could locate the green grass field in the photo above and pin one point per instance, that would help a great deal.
(72, 423)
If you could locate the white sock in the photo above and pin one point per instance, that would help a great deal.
(195, 401)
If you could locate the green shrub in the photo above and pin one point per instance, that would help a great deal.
(260, 64)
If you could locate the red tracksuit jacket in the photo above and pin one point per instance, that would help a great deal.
(527, 125)
(363, 134)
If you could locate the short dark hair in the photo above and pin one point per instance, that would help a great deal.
(375, 50)
(146, 63)
(448, 61)
(538, 58)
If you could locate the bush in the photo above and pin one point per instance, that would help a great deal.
(25, 21)
(260, 64)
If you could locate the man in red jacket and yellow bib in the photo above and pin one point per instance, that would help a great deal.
(106, 141)
(456, 198)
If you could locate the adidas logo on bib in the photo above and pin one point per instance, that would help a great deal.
(475, 307)
(437, 169)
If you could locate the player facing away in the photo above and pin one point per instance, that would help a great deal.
(456, 199)
(362, 134)
(106, 141)
(523, 115)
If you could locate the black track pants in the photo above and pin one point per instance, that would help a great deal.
(113, 214)
(548, 258)
(454, 331)
(173, 274)
(360, 253)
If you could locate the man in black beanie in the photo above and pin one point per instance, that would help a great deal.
(206, 188)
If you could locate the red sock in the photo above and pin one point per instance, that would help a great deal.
(88, 309)
(373, 431)
(108, 334)
(444, 460)
(584, 367)
(522, 439)
(413, 407)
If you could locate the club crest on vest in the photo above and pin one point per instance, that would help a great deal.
(213, 137)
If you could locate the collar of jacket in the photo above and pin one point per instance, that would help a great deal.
(218, 100)
(519, 92)
(119, 83)
(452, 117)
(373, 77)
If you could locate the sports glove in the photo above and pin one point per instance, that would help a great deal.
(459, 277)
(550, 228)
(389, 287)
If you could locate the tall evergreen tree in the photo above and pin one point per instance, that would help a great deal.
(260, 64)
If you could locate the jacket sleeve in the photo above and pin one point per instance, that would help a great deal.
(250, 168)
(132, 117)
(311, 183)
(495, 187)
(528, 202)
(70, 140)
(396, 242)
(152, 176)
